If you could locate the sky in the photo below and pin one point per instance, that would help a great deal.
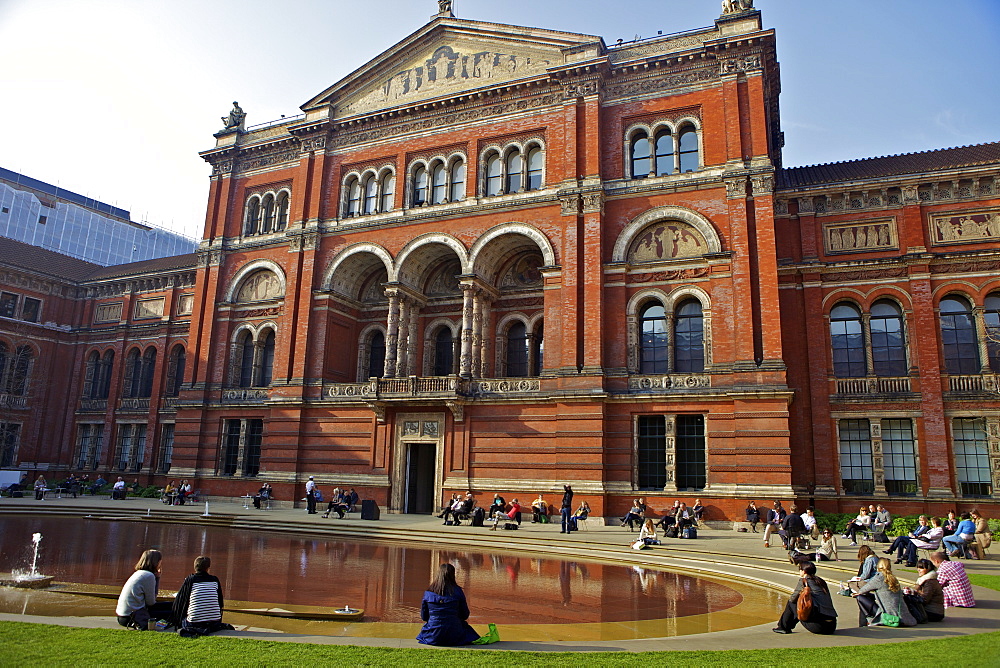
(114, 99)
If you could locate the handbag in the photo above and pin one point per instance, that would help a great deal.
(889, 620)
(639, 545)
(804, 607)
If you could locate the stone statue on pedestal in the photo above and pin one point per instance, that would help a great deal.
(234, 121)
(736, 6)
(444, 7)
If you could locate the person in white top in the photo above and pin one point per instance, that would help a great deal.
(118, 489)
(647, 534)
(137, 602)
(809, 519)
(311, 496)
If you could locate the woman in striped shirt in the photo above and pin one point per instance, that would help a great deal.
(198, 606)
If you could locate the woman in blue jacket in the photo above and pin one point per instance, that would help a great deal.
(966, 531)
(444, 612)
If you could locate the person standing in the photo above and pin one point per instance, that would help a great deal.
(566, 509)
(198, 605)
(311, 496)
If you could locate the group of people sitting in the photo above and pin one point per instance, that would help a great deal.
(875, 519)
(177, 495)
(882, 600)
(196, 609)
(263, 496)
(674, 520)
(463, 507)
(342, 502)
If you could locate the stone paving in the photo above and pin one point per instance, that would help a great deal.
(718, 551)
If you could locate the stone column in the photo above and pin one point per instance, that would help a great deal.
(669, 318)
(878, 458)
(413, 339)
(241, 449)
(476, 367)
(979, 314)
(468, 306)
(670, 443)
(403, 337)
(392, 333)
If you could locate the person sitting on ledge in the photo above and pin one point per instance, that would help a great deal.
(500, 515)
(336, 504)
(582, 513)
(198, 605)
(822, 617)
(859, 523)
(699, 512)
(352, 499)
(539, 510)
(263, 494)
(633, 516)
(922, 537)
(954, 582)
(683, 519)
(445, 612)
(137, 602)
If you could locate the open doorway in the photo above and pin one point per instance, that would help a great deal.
(420, 490)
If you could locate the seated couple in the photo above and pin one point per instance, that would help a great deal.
(514, 514)
(340, 503)
(924, 537)
(458, 507)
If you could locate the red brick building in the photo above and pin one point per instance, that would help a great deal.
(503, 259)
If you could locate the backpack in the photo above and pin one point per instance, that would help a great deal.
(478, 517)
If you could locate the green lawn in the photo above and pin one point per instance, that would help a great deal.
(43, 645)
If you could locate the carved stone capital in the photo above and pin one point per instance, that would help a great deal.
(763, 184)
(569, 205)
(311, 144)
(806, 205)
(750, 63)
(577, 89)
(909, 194)
(780, 207)
(593, 202)
(736, 188)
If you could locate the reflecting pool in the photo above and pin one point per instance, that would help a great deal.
(532, 598)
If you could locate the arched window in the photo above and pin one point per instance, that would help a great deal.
(4, 352)
(958, 336)
(92, 376)
(444, 352)
(148, 367)
(376, 354)
(689, 348)
(133, 373)
(420, 186)
(535, 165)
(688, 153)
(245, 349)
(514, 166)
(371, 195)
(282, 212)
(664, 153)
(494, 175)
(992, 321)
(888, 346)
(640, 155)
(654, 341)
(457, 191)
(353, 197)
(537, 350)
(848, 342)
(517, 350)
(439, 181)
(251, 217)
(267, 221)
(266, 368)
(19, 371)
(388, 192)
(175, 370)
(107, 366)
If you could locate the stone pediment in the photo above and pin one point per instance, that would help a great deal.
(448, 57)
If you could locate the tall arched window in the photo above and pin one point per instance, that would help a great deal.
(494, 175)
(246, 351)
(991, 316)
(444, 352)
(640, 155)
(420, 186)
(535, 165)
(514, 166)
(148, 368)
(376, 354)
(958, 336)
(388, 192)
(175, 370)
(19, 371)
(664, 153)
(848, 342)
(517, 350)
(439, 183)
(107, 366)
(371, 195)
(888, 346)
(688, 153)
(282, 212)
(267, 220)
(457, 190)
(251, 217)
(133, 373)
(266, 368)
(92, 376)
(654, 341)
(537, 350)
(353, 197)
(4, 361)
(689, 347)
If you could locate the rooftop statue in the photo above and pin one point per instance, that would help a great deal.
(444, 7)
(234, 121)
(736, 6)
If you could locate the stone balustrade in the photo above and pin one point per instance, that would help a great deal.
(866, 386)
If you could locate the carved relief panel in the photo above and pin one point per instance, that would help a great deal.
(260, 286)
(108, 312)
(670, 240)
(149, 308)
(965, 228)
(860, 236)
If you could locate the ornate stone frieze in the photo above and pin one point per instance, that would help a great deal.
(780, 207)
(659, 84)
(284, 155)
(860, 236)
(439, 119)
(965, 227)
(108, 312)
(736, 188)
(577, 89)
(265, 188)
(246, 394)
(593, 202)
(569, 204)
(313, 144)
(966, 267)
(751, 63)
(505, 386)
(666, 240)
(149, 308)
(185, 304)
(209, 257)
(261, 286)
(763, 184)
(677, 275)
(669, 382)
(865, 274)
(668, 45)
(259, 312)
(220, 167)
(347, 390)
(524, 273)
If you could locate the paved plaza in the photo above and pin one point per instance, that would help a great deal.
(719, 552)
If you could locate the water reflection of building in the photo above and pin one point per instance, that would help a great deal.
(553, 260)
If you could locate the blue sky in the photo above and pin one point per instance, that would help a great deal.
(114, 98)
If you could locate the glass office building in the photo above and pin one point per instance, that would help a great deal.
(45, 215)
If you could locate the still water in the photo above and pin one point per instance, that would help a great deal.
(386, 579)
